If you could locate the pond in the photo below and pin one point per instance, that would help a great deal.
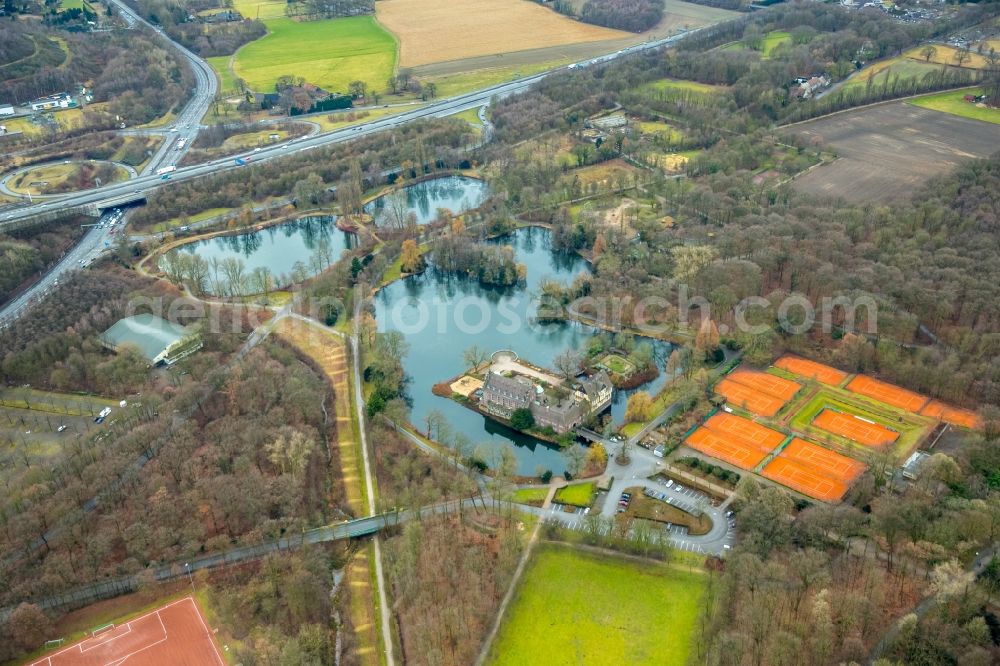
(456, 193)
(441, 315)
(308, 245)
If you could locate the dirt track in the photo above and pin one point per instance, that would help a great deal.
(887, 151)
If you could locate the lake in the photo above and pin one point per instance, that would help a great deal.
(441, 315)
(456, 193)
(314, 240)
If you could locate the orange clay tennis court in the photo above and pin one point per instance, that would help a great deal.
(855, 428)
(890, 394)
(811, 369)
(175, 635)
(808, 482)
(750, 399)
(779, 387)
(953, 415)
(823, 461)
(732, 451)
(738, 428)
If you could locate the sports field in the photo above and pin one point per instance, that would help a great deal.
(737, 427)
(823, 461)
(779, 387)
(804, 479)
(733, 451)
(759, 392)
(573, 607)
(432, 31)
(910, 427)
(811, 370)
(741, 395)
(174, 634)
(735, 440)
(888, 393)
(855, 428)
(953, 415)
(328, 53)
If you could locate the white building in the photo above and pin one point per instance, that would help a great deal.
(6, 110)
(57, 101)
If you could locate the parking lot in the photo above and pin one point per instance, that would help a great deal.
(721, 537)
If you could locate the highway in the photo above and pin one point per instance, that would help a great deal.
(187, 125)
(102, 235)
(188, 122)
(148, 183)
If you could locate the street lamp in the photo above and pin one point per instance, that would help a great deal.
(190, 577)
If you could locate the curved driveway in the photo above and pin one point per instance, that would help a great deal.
(636, 474)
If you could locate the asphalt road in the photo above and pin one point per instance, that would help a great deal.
(636, 473)
(445, 107)
(101, 236)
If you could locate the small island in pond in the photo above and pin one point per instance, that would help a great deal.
(531, 399)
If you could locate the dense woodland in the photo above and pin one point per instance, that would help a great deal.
(631, 15)
(448, 577)
(245, 461)
(822, 585)
(24, 254)
(140, 79)
(279, 610)
(207, 39)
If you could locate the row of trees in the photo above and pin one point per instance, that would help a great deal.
(631, 15)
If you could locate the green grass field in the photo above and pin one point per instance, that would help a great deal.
(773, 40)
(905, 68)
(260, 9)
(533, 496)
(664, 85)
(660, 128)
(617, 364)
(955, 104)
(469, 116)
(576, 608)
(227, 82)
(578, 494)
(328, 53)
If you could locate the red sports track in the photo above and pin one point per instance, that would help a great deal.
(174, 635)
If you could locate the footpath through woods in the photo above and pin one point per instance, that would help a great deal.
(328, 350)
(484, 651)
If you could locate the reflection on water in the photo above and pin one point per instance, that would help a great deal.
(443, 314)
(291, 251)
(456, 193)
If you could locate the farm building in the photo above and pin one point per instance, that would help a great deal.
(6, 110)
(57, 101)
(157, 340)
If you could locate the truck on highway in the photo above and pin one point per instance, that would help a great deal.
(163, 171)
(181, 143)
(242, 161)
